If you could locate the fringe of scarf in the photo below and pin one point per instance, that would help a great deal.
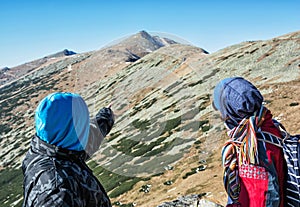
(230, 174)
(244, 138)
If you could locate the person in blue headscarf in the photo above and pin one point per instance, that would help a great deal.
(54, 168)
(254, 170)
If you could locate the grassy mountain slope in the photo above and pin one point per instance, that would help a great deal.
(166, 140)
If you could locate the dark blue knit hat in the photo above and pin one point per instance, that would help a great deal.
(62, 119)
(236, 99)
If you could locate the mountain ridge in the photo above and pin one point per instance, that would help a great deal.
(9, 74)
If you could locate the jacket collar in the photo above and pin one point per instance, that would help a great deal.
(50, 150)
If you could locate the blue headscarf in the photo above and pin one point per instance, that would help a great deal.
(236, 99)
(62, 119)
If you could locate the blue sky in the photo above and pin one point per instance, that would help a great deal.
(34, 29)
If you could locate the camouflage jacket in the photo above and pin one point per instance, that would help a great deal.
(58, 177)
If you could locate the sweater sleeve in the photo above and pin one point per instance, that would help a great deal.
(275, 154)
(99, 128)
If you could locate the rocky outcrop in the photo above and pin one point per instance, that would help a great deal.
(190, 201)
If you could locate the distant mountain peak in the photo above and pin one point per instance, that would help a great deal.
(68, 52)
(5, 69)
(144, 34)
(140, 44)
(65, 52)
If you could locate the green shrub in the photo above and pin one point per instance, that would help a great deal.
(197, 142)
(11, 181)
(206, 128)
(125, 145)
(142, 125)
(146, 149)
(124, 187)
(112, 136)
(112, 182)
(196, 83)
(171, 124)
(194, 170)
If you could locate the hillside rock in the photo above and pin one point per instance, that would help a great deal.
(190, 201)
